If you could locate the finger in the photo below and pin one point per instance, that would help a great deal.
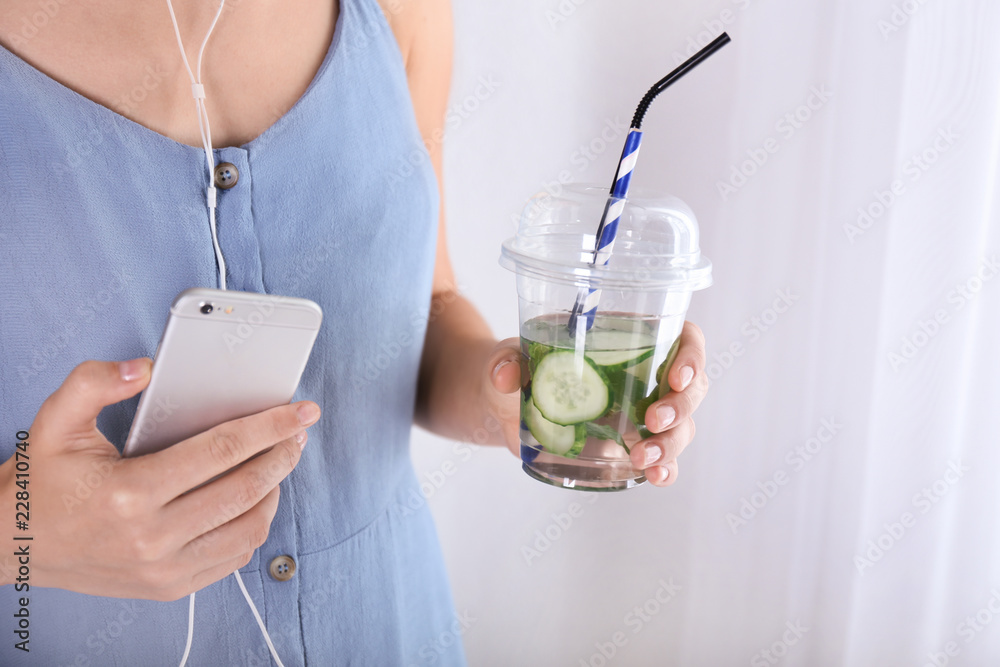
(676, 406)
(661, 447)
(208, 577)
(215, 504)
(662, 475)
(690, 360)
(505, 366)
(233, 535)
(200, 458)
(89, 387)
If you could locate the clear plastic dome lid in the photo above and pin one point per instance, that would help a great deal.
(656, 245)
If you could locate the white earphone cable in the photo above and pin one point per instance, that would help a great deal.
(198, 92)
(260, 622)
(187, 644)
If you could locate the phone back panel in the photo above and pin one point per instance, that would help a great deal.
(245, 356)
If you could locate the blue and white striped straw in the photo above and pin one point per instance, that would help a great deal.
(588, 298)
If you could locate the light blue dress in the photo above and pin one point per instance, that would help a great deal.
(103, 222)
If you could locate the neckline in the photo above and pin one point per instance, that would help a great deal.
(99, 108)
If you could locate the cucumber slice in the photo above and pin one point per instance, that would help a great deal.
(566, 393)
(629, 325)
(537, 352)
(609, 348)
(619, 357)
(565, 441)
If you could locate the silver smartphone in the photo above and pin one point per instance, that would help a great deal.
(223, 355)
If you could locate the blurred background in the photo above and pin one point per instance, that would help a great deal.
(839, 504)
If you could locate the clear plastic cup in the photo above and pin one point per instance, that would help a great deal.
(584, 394)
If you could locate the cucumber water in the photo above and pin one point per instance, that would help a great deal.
(583, 403)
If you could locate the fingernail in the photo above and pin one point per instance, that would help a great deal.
(687, 374)
(132, 370)
(653, 454)
(301, 439)
(499, 367)
(308, 413)
(665, 416)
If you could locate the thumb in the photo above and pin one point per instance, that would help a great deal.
(73, 408)
(504, 366)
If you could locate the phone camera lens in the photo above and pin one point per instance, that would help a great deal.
(206, 308)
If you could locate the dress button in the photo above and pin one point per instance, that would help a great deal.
(282, 568)
(226, 175)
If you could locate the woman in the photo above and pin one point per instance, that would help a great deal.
(316, 113)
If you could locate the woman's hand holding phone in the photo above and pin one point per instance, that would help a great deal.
(124, 527)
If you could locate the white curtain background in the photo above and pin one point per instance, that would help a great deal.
(854, 362)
